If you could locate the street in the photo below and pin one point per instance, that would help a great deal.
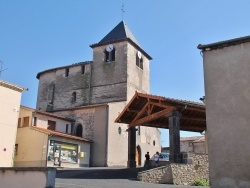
(104, 178)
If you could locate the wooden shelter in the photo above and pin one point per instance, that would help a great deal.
(161, 112)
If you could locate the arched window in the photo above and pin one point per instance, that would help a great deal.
(109, 53)
(79, 130)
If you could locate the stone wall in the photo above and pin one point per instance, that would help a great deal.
(157, 175)
(179, 174)
(27, 177)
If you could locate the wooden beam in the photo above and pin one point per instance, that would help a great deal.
(141, 112)
(198, 128)
(133, 110)
(160, 105)
(150, 117)
(193, 118)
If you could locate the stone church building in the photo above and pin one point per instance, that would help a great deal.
(93, 93)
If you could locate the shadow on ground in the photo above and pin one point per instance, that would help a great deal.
(123, 173)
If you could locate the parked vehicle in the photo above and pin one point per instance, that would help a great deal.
(162, 157)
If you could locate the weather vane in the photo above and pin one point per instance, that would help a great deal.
(1, 69)
(122, 10)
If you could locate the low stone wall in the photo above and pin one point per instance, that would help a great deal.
(27, 177)
(157, 175)
(179, 174)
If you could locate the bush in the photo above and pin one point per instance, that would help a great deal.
(201, 183)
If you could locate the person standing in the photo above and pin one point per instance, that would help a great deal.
(156, 159)
(147, 156)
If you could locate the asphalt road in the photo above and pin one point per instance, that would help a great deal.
(104, 178)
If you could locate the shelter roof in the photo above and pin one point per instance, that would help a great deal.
(154, 111)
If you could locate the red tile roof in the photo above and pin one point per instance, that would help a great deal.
(47, 131)
(35, 111)
(151, 110)
(54, 115)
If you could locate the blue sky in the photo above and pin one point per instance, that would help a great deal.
(43, 34)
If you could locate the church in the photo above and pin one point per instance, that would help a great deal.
(93, 93)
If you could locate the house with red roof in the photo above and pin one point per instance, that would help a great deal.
(45, 139)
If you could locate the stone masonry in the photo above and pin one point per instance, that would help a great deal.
(179, 174)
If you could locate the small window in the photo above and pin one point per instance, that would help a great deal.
(16, 149)
(139, 60)
(67, 72)
(138, 130)
(141, 63)
(73, 97)
(35, 120)
(26, 121)
(83, 69)
(51, 125)
(19, 122)
(71, 128)
(67, 127)
(109, 53)
(79, 130)
(154, 143)
(119, 130)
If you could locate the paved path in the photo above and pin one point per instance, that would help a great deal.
(104, 178)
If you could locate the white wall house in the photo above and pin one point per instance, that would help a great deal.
(10, 98)
(227, 75)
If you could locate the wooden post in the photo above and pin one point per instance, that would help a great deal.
(174, 137)
(131, 147)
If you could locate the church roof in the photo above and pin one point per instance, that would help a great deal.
(121, 31)
(62, 67)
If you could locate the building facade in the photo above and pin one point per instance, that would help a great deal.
(195, 144)
(93, 93)
(10, 98)
(226, 75)
(45, 139)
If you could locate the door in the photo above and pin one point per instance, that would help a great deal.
(138, 155)
(57, 155)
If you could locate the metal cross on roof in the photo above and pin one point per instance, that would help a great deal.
(122, 10)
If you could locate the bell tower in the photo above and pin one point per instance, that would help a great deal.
(121, 65)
